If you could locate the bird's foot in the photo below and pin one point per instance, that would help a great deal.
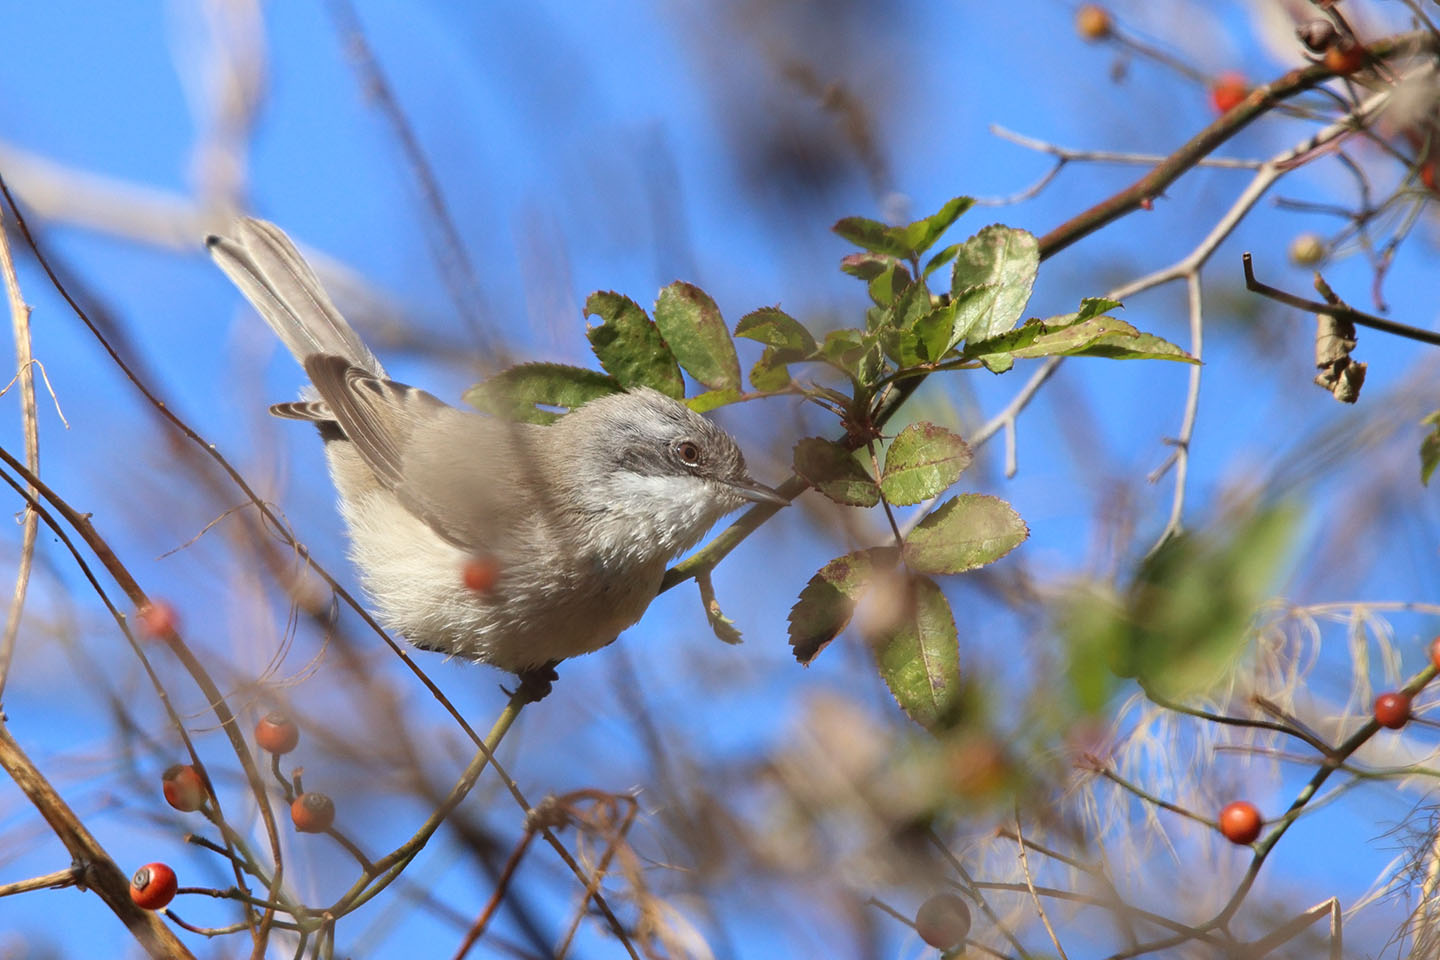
(536, 682)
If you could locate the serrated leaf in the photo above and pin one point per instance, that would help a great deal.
(828, 601)
(713, 399)
(519, 392)
(696, 334)
(1066, 336)
(919, 657)
(968, 531)
(833, 470)
(776, 328)
(941, 258)
(922, 234)
(922, 462)
(934, 333)
(1430, 448)
(845, 350)
(771, 371)
(867, 266)
(991, 281)
(629, 346)
(1095, 306)
(889, 284)
(872, 235)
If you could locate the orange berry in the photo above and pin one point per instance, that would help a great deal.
(1093, 22)
(184, 787)
(277, 733)
(1228, 91)
(1344, 60)
(1435, 652)
(153, 886)
(312, 812)
(1240, 822)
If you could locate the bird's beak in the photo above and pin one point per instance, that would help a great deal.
(758, 492)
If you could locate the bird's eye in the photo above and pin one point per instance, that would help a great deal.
(689, 453)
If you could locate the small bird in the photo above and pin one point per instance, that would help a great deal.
(512, 544)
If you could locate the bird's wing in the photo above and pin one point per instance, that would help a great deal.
(471, 478)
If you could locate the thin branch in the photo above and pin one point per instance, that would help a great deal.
(100, 872)
(30, 425)
(1338, 311)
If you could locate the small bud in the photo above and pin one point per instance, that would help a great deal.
(1307, 249)
(1317, 35)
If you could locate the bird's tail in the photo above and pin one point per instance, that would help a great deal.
(275, 278)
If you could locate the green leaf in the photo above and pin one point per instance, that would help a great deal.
(941, 258)
(1071, 337)
(775, 328)
(691, 324)
(713, 399)
(890, 283)
(922, 234)
(1430, 448)
(771, 372)
(921, 463)
(1095, 306)
(867, 266)
(923, 337)
(966, 532)
(519, 392)
(919, 656)
(1088, 618)
(723, 626)
(828, 600)
(846, 350)
(1188, 614)
(872, 235)
(630, 347)
(994, 273)
(901, 242)
(833, 470)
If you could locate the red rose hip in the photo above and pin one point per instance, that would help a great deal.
(277, 733)
(1228, 92)
(153, 886)
(1240, 822)
(312, 812)
(1392, 710)
(184, 787)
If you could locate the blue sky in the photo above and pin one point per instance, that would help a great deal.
(622, 146)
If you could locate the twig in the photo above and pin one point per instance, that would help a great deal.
(1338, 311)
(20, 326)
(1034, 897)
(68, 877)
(100, 872)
